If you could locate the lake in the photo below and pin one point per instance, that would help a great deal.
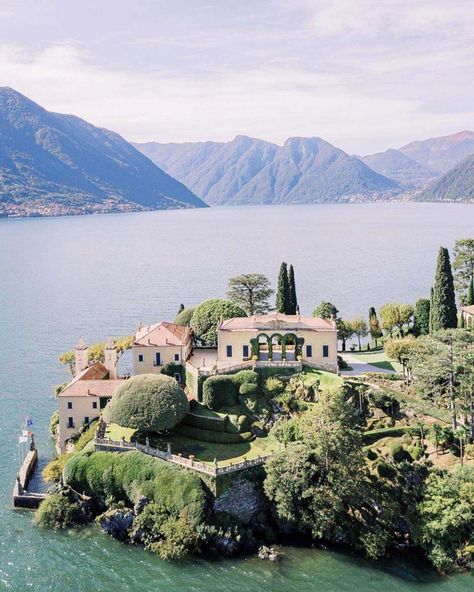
(100, 275)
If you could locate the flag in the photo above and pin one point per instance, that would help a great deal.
(29, 422)
(22, 439)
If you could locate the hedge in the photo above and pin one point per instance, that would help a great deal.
(248, 389)
(222, 390)
(206, 422)
(214, 437)
(128, 476)
(397, 432)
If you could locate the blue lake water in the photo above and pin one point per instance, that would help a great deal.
(99, 275)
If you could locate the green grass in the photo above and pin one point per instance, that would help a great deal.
(116, 432)
(378, 359)
(310, 376)
(225, 454)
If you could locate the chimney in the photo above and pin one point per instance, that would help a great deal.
(110, 358)
(81, 356)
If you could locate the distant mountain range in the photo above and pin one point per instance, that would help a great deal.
(422, 161)
(455, 185)
(251, 171)
(59, 164)
(307, 170)
(53, 164)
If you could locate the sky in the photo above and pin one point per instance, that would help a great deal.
(365, 75)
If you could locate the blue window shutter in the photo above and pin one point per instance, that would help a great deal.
(229, 351)
(325, 351)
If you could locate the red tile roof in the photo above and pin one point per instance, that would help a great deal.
(91, 381)
(277, 322)
(162, 334)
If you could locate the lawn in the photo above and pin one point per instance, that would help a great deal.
(310, 376)
(378, 359)
(225, 454)
(116, 432)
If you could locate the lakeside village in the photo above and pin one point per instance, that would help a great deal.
(241, 428)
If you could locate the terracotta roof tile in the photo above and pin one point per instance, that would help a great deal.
(92, 388)
(163, 333)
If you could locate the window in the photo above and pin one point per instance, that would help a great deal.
(86, 419)
(158, 359)
(176, 357)
(70, 422)
(140, 357)
(69, 404)
(309, 351)
(229, 351)
(245, 351)
(177, 376)
(94, 404)
(325, 351)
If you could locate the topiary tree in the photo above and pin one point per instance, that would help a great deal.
(148, 403)
(208, 315)
(184, 316)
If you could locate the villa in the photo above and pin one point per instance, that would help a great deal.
(468, 315)
(273, 340)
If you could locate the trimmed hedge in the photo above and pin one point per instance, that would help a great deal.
(129, 475)
(205, 422)
(248, 389)
(223, 390)
(397, 432)
(214, 437)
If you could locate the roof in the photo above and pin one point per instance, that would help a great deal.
(469, 309)
(91, 381)
(277, 321)
(92, 388)
(162, 334)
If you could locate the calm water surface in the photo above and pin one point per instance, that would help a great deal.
(94, 276)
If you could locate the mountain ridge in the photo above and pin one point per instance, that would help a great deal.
(52, 163)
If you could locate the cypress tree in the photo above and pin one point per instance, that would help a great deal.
(282, 303)
(292, 291)
(421, 319)
(430, 322)
(470, 293)
(443, 310)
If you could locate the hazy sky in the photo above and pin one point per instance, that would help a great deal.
(363, 74)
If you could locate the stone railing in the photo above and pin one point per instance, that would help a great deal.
(326, 367)
(278, 364)
(213, 470)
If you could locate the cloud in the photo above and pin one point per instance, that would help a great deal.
(356, 100)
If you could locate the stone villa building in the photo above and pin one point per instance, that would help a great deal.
(275, 340)
(468, 315)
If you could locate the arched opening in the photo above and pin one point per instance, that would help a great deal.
(264, 351)
(290, 347)
(276, 346)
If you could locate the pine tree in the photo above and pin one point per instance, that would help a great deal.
(470, 294)
(292, 291)
(282, 303)
(443, 310)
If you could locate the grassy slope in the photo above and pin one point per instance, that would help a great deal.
(378, 359)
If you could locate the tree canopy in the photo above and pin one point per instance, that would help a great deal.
(148, 403)
(421, 318)
(251, 292)
(463, 265)
(282, 302)
(443, 312)
(95, 352)
(184, 316)
(293, 300)
(207, 316)
(396, 315)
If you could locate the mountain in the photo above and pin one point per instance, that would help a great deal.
(443, 153)
(396, 165)
(250, 171)
(59, 164)
(455, 185)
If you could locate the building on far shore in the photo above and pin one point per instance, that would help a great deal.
(273, 340)
(468, 315)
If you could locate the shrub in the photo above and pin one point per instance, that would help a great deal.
(86, 437)
(206, 422)
(245, 376)
(416, 452)
(248, 389)
(179, 538)
(207, 316)
(148, 403)
(371, 454)
(54, 424)
(219, 391)
(273, 387)
(372, 436)
(342, 363)
(129, 475)
(215, 437)
(470, 451)
(385, 470)
(57, 511)
(398, 453)
(184, 317)
(54, 469)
